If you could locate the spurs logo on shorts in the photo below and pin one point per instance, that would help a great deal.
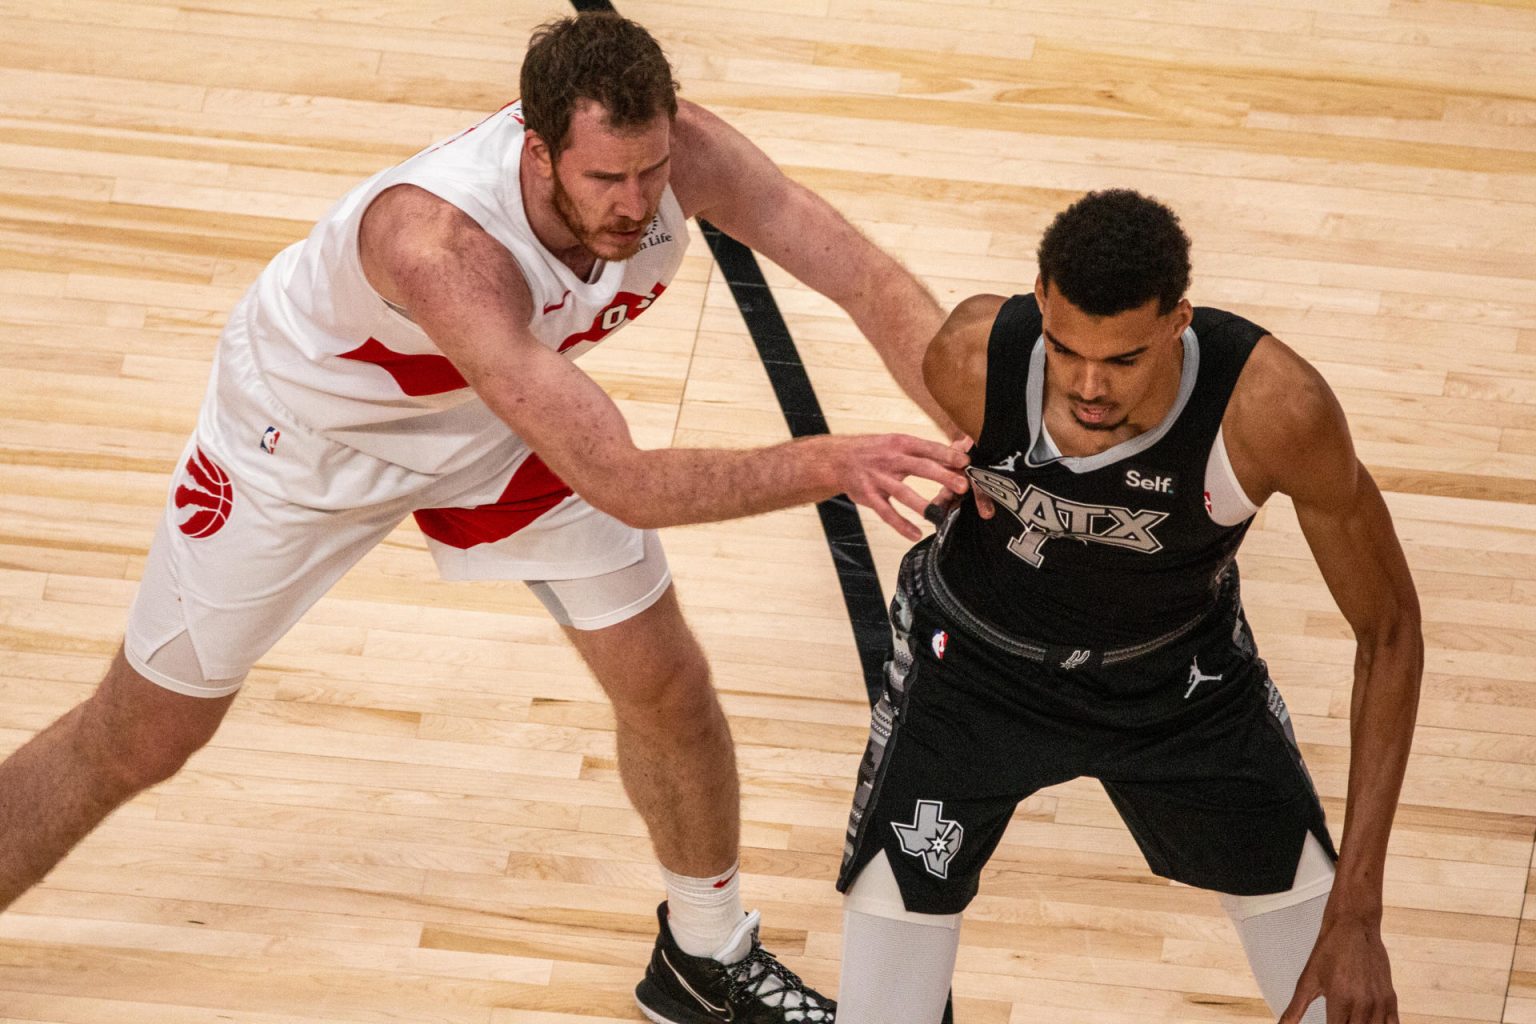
(205, 490)
(1077, 659)
(1045, 517)
(931, 837)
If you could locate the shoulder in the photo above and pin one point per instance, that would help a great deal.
(1209, 319)
(1284, 428)
(706, 156)
(974, 315)
(720, 174)
(964, 332)
(1279, 386)
(408, 217)
(411, 239)
(696, 131)
(955, 364)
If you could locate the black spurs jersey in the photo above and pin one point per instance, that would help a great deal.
(1100, 551)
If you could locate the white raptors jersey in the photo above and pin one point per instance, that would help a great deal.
(351, 368)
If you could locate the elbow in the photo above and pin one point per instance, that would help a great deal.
(612, 502)
(1395, 642)
(618, 483)
(638, 518)
(1400, 633)
(625, 504)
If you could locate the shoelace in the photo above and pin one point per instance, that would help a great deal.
(761, 976)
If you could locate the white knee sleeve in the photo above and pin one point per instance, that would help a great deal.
(897, 964)
(1278, 930)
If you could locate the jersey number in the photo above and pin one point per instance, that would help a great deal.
(624, 308)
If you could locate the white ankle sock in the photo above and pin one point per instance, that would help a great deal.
(703, 913)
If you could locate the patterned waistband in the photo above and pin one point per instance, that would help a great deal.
(922, 568)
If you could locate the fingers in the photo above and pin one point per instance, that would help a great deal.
(876, 469)
(984, 505)
(1306, 991)
(931, 451)
(1363, 1008)
(908, 497)
(894, 519)
(940, 474)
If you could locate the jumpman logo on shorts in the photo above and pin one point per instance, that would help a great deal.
(1196, 677)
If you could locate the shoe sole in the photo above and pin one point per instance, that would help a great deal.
(692, 1016)
(652, 1015)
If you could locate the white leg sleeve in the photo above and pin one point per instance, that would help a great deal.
(1280, 929)
(897, 965)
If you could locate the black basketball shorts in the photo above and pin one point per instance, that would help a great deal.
(1191, 741)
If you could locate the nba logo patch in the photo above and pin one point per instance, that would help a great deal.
(940, 643)
(269, 440)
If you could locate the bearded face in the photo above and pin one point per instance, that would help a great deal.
(602, 228)
(606, 184)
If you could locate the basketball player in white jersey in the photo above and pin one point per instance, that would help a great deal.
(411, 356)
(1082, 617)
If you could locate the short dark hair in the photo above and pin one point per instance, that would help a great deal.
(1114, 250)
(600, 57)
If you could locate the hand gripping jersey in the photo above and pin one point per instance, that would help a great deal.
(351, 368)
(1108, 550)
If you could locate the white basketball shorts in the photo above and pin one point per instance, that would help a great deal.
(260, 522)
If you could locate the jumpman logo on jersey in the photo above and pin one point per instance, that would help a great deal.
(1006, 466)
(1196, 677)
(931, 837)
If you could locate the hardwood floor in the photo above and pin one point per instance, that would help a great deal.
(413, 812)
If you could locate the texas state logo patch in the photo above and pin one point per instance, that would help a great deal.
(930, 837)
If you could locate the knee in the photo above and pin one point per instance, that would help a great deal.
(675, 693)
(134, 734)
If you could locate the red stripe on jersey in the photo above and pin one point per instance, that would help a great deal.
(417, 375)
(533, 490)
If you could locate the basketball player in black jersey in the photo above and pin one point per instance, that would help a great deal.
(1082, 617)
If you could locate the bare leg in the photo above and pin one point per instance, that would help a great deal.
(59, 786)
(674, 746)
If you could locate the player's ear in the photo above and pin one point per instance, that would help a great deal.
(1183, 315)
(543, 157)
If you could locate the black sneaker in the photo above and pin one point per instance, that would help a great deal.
(757, 989)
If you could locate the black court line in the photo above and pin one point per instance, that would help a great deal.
(840, 522)
(802, 412)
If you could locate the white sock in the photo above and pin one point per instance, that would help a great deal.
(703, 913)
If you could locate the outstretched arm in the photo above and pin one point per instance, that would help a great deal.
(465, 290)
(718, 174)
(1306, 452)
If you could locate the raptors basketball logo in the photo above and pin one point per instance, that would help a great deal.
(208, 493)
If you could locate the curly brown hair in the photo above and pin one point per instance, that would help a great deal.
(594, 56)
(1113, 250)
